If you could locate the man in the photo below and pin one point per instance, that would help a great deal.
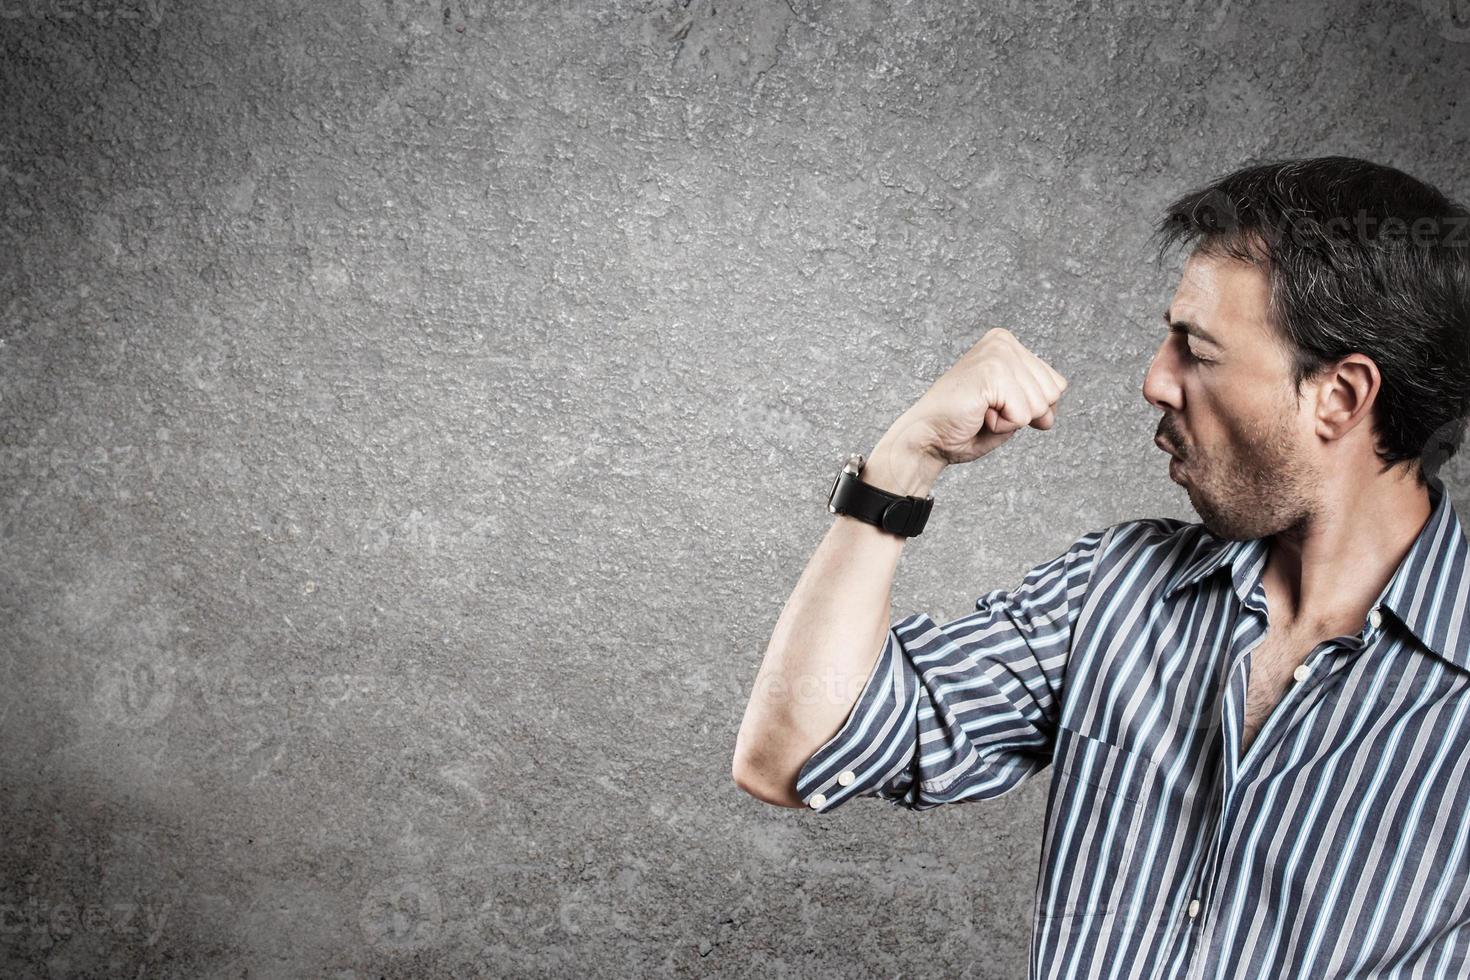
(1258, 726)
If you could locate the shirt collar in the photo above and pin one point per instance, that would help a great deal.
(1427, 592)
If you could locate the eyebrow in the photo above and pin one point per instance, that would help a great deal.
(1193, 329)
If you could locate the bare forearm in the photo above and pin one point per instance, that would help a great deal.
(829, 633)
(832, 628)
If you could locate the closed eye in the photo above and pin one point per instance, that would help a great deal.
(1189, 354)
(1184, 330)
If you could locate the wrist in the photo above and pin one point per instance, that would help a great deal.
(903, 467)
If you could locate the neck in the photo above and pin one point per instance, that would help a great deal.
(1324, 575)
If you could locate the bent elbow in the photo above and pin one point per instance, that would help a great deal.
(757, 783)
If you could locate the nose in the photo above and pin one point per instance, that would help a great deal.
(1161, 387)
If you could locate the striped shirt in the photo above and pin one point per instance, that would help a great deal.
(1337, 845)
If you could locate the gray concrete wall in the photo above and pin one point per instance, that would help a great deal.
(414, 416)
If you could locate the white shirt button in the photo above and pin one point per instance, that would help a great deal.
(1193, 909)
(1302, 672)
(1375, 618)
(817, 800)
(846, 778)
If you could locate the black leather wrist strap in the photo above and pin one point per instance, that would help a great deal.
(903, 516)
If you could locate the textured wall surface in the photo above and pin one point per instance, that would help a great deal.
(413, 418)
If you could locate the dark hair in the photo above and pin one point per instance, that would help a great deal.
(1361, 258)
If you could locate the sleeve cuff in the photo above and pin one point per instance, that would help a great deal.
(872, 753)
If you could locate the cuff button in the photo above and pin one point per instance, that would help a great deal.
(846, 778)
(817, 800)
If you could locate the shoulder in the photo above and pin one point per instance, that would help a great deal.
(1140, 550)
(1149, 540)
(1153, 541)
(1132, 540)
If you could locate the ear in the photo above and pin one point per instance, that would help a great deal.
(1345, 395)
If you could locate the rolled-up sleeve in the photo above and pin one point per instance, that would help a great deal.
(965, 710)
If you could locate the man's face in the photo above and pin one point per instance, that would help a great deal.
(1231, 419)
